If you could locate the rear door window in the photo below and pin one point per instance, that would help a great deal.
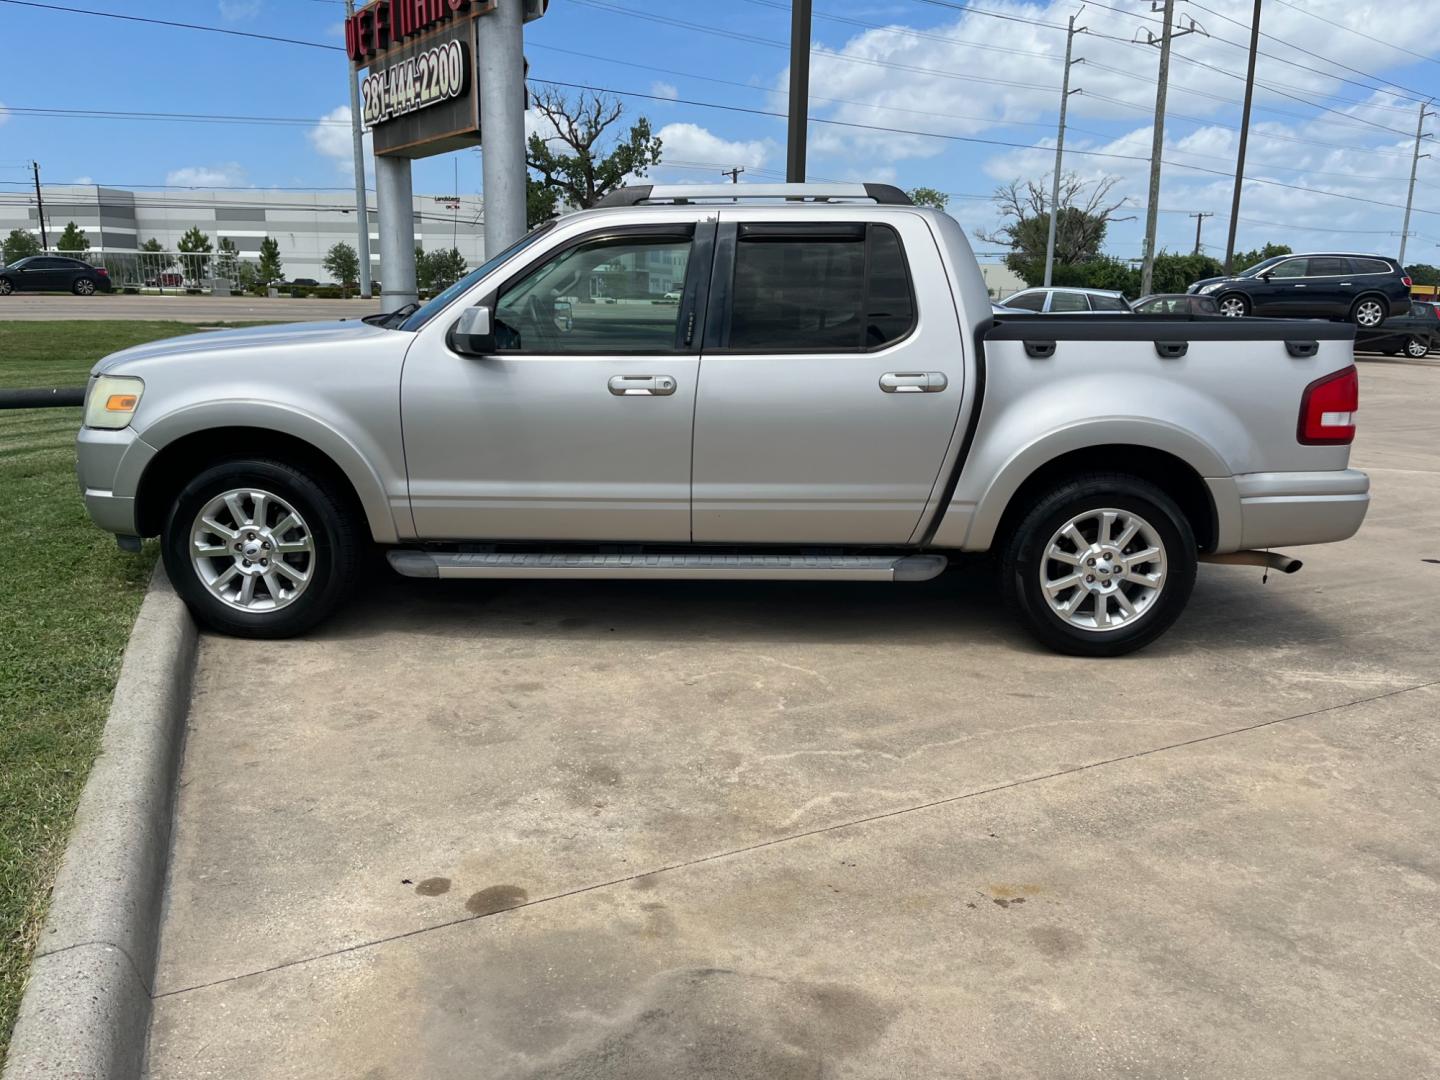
(828, 289)
(1108, 303)
(1328, 266)
(1068, 301)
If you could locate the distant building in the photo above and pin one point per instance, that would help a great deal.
(306, 224)
(1000, 280)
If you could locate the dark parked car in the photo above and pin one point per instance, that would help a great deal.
(1413, 334)
(52, 273)
(1175, 304)
(304, 281)
(1363, 289)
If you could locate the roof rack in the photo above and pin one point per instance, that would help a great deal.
(643, 194)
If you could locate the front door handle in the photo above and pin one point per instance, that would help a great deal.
(642, 385)
(913, 382)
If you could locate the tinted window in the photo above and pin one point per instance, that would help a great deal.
(45, 264)
(1204, 305)
(1371, 266)
(1068, 301)
(812, 293)
(1290, 268)
(21, 264)
(606, 296)
(1108, 303)
(1328, 266)
(1033, 301)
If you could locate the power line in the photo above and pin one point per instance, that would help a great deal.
(167, 22)
(1359, 33)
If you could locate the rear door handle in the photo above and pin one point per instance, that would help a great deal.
(913, 382)
(642, 385)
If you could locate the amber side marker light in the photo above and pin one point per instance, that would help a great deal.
(121, 403)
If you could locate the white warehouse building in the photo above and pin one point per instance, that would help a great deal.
(306, 224)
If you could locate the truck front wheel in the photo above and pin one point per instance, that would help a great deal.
(1101, 565)
(258, 548)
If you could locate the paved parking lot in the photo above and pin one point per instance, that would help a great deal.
(701, 830)
(39, 307)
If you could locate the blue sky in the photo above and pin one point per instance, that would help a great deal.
(1336, 112)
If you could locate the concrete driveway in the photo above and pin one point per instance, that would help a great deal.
(36, 307)
(573, 830)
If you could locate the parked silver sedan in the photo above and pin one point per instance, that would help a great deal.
(1068, 301)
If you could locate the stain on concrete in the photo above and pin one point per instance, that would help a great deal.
(1056, 942)
(433, 886)
(713, 1022)
(574, 623)
(496, 898)
(645, 883)
(528, 687)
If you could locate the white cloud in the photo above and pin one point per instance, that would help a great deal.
(664, 90)
(239, 10)
(83, 181)
(230, 174)
(332, 137)
(697, 145)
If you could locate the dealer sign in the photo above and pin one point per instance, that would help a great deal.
(419, 95)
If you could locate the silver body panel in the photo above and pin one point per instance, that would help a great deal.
(761, 449)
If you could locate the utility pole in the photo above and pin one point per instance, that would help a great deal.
(799, 90)
(1199, 221)
(1152, 214)
(362, 203)
(1065, 92)
(1244, 138)
(1420, 134)
(501, 84)
(733, 174)
(40, 207)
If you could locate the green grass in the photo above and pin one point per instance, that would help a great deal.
(68, 597)
(46, 354)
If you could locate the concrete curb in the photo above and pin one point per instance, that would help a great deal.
(86, 1009)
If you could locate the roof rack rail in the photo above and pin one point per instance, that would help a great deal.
(642, 194)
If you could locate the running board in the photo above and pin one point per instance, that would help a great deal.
(433, 564)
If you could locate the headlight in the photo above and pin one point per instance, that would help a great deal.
(1206, 290)
(112, 402)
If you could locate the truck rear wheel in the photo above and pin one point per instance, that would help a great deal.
(1102, 565)
(257, 548)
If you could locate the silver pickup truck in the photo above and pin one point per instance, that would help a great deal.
(802, 382)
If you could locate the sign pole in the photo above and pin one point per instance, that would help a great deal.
(501, 78)
(362, 204)
(395, 199)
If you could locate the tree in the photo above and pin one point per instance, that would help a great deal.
(1424, 274)
(929, 196)
(571, 162)
(1246, 259)
(157, 256)
(197, 245)
(18, 245)
(1086, 211)
(73, 239)
(271, 268)
(227, 262)
(342, 261)
(446, 268)
(422, 269)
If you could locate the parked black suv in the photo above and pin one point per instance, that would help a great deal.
(1364, 289)
(51, 273)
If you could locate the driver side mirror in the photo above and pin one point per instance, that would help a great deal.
(1264, 275)
(474, 334)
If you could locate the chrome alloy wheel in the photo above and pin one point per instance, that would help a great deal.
(85, 287)
(1417, 348)
(1369, 313)
(1232, 307)
(1103, 569)
(252, 550)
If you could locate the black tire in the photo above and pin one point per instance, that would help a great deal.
(1362, 304)
(1232, 299)
(337, 529)
(1023, 560)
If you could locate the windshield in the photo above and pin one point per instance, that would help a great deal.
(1253, 270)
(443, 300)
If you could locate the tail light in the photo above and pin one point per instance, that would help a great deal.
(1327, 411)
(1407, 281)
(102, 271)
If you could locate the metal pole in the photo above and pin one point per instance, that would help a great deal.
(501, 79)
(799, 90)
(1059, 155)
(1152, 213)
(362, 203)
(1414, 167)
(1244, 138)
(395, 202)
(40, 208)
